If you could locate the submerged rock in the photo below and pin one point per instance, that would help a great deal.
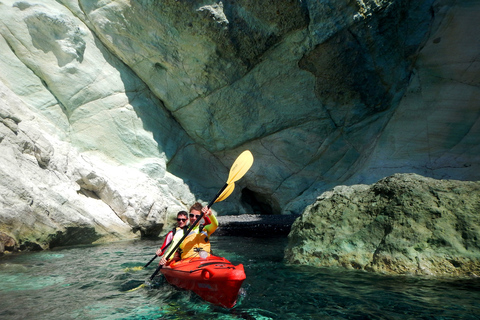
(403, 224)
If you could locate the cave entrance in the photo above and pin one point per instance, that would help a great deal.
(258, 203)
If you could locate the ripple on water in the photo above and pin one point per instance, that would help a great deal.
(21, 282)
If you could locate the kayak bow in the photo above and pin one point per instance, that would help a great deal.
(214, 279)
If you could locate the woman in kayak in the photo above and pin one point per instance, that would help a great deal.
(197, 242)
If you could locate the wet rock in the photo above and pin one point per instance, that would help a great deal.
(7, 243)
(255, 225)
(403, 224)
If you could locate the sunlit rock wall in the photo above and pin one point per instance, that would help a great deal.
(78, 147)
(53, 195)
(322, 93)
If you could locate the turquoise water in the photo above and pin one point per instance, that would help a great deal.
(92, 282)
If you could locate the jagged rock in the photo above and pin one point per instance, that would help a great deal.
(319, 92)
(403, 224)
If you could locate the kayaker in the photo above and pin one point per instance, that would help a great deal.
(197, 242)
(173, 236)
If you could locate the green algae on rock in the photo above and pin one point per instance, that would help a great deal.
(403, 224)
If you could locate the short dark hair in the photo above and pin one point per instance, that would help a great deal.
(182, 213)
(196, 206)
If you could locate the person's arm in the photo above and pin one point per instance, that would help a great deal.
(165, 244)
(210, 228)
(207, 220)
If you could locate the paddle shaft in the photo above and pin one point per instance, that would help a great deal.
(187, 233)
(218, 195)
(155, 256)
(151, 260)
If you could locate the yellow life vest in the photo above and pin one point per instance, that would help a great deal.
(196, 241)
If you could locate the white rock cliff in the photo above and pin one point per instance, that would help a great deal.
(116, 114)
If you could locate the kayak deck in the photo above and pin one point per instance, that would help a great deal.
(214, 279)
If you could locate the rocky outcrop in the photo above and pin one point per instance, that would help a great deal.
(146, 102)
(51, 195)
(403, 224)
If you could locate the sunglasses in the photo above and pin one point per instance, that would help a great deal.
(194, 215)
(180, 219)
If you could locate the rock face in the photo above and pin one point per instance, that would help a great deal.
(403, 224)
(146, 104)
(51, 195)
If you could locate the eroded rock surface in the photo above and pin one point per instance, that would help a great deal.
(403, 224)
(52, 195)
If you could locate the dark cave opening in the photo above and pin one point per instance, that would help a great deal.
(257, 202)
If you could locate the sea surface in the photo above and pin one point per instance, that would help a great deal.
(95, 282)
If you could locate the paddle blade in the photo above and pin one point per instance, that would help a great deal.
(143, 285)
(240, 166)
(129, 269)
(228, 191)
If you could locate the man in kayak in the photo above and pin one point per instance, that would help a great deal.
(197, 242)
(173, 236)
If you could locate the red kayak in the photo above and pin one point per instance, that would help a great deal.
(214, 279)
